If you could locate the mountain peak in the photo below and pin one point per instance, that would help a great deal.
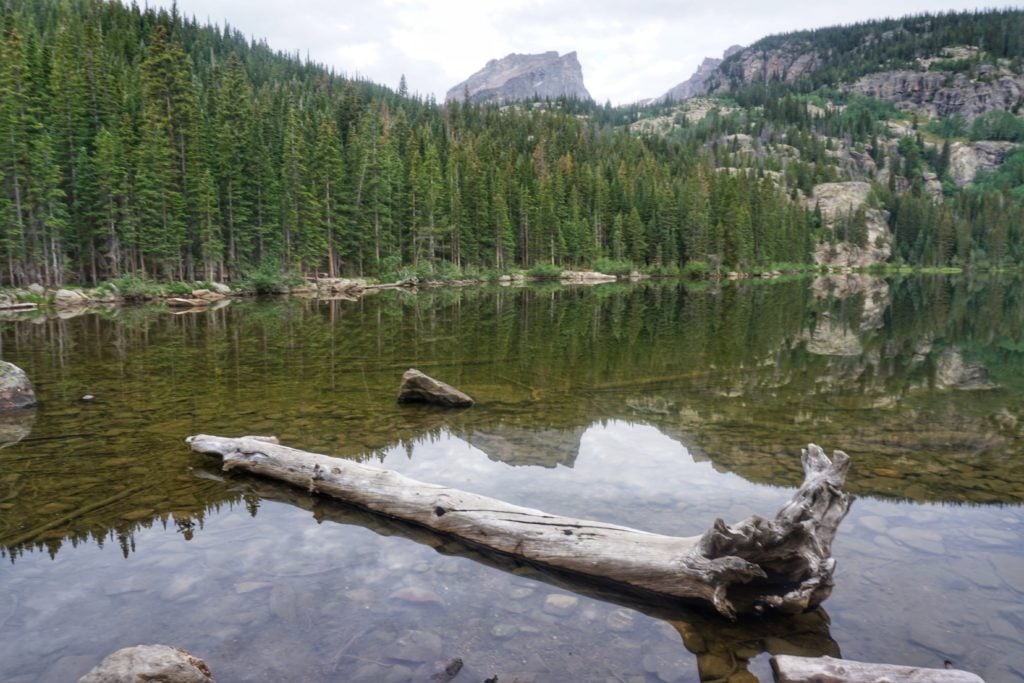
(523, 76)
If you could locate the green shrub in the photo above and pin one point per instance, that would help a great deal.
(613, 266)
(663, 270)
(998, 125)
(544, 270)
(954, 126)
(953, 65)
(788, 267)
(266, 278)
(387, 268)
(178, 288)
(696, 269)
(132, 287)
(446, 271)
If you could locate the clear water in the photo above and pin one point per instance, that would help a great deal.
(653, 405)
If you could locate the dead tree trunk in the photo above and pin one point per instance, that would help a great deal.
(784, 564)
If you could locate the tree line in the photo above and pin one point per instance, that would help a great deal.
(140, 142)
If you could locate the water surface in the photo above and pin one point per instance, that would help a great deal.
(653, 405)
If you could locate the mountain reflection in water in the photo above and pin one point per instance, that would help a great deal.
(657, 406)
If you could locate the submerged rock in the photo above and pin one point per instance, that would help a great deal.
(560, 605)
(419, 388)
(416, 646)
(15, 388)
(150, 664)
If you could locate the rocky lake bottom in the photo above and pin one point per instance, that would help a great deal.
(133, 539)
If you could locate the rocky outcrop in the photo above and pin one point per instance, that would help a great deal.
(16, 390)
(838, 200)
(749, 66)
(517, 77)
(585, 277)
(151, 663)
(966, 160)
(341, 285)
(69, 297)
(694, 85)
(419, 388)
(939, 93)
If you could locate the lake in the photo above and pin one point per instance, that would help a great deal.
(656, 405)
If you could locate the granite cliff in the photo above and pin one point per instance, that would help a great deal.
(518, 77)
(937, 93)
(753, 65)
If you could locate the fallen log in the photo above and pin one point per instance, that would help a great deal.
(784, 564)
(791, 669)
(723, 649)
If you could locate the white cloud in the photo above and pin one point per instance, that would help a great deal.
(358, 57)
(629, 49)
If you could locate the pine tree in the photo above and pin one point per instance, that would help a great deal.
(299, 211)
(170, 120)
(15, 126)
(234, 167)
(327, 176)
(111, 191)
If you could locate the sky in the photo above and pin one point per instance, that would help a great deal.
(629, 49)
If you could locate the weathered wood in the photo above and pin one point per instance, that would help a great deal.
(791, 669)
(786, 562)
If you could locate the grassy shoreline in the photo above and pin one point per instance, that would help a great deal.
(132, 288)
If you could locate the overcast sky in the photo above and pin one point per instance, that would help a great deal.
(629, 49)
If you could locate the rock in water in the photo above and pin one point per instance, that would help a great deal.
(419, 388)
(15, 388)
(154, 663)
(518, 77)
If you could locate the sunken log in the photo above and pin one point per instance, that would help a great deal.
(792, 669)
(783, 564)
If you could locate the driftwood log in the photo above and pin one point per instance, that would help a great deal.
(723, 649)
(790, 669)
(784, 564)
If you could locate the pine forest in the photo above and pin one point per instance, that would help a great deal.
(139, 142)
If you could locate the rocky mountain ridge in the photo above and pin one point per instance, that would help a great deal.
(694, 85)
(955, 80)
(517, 77)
